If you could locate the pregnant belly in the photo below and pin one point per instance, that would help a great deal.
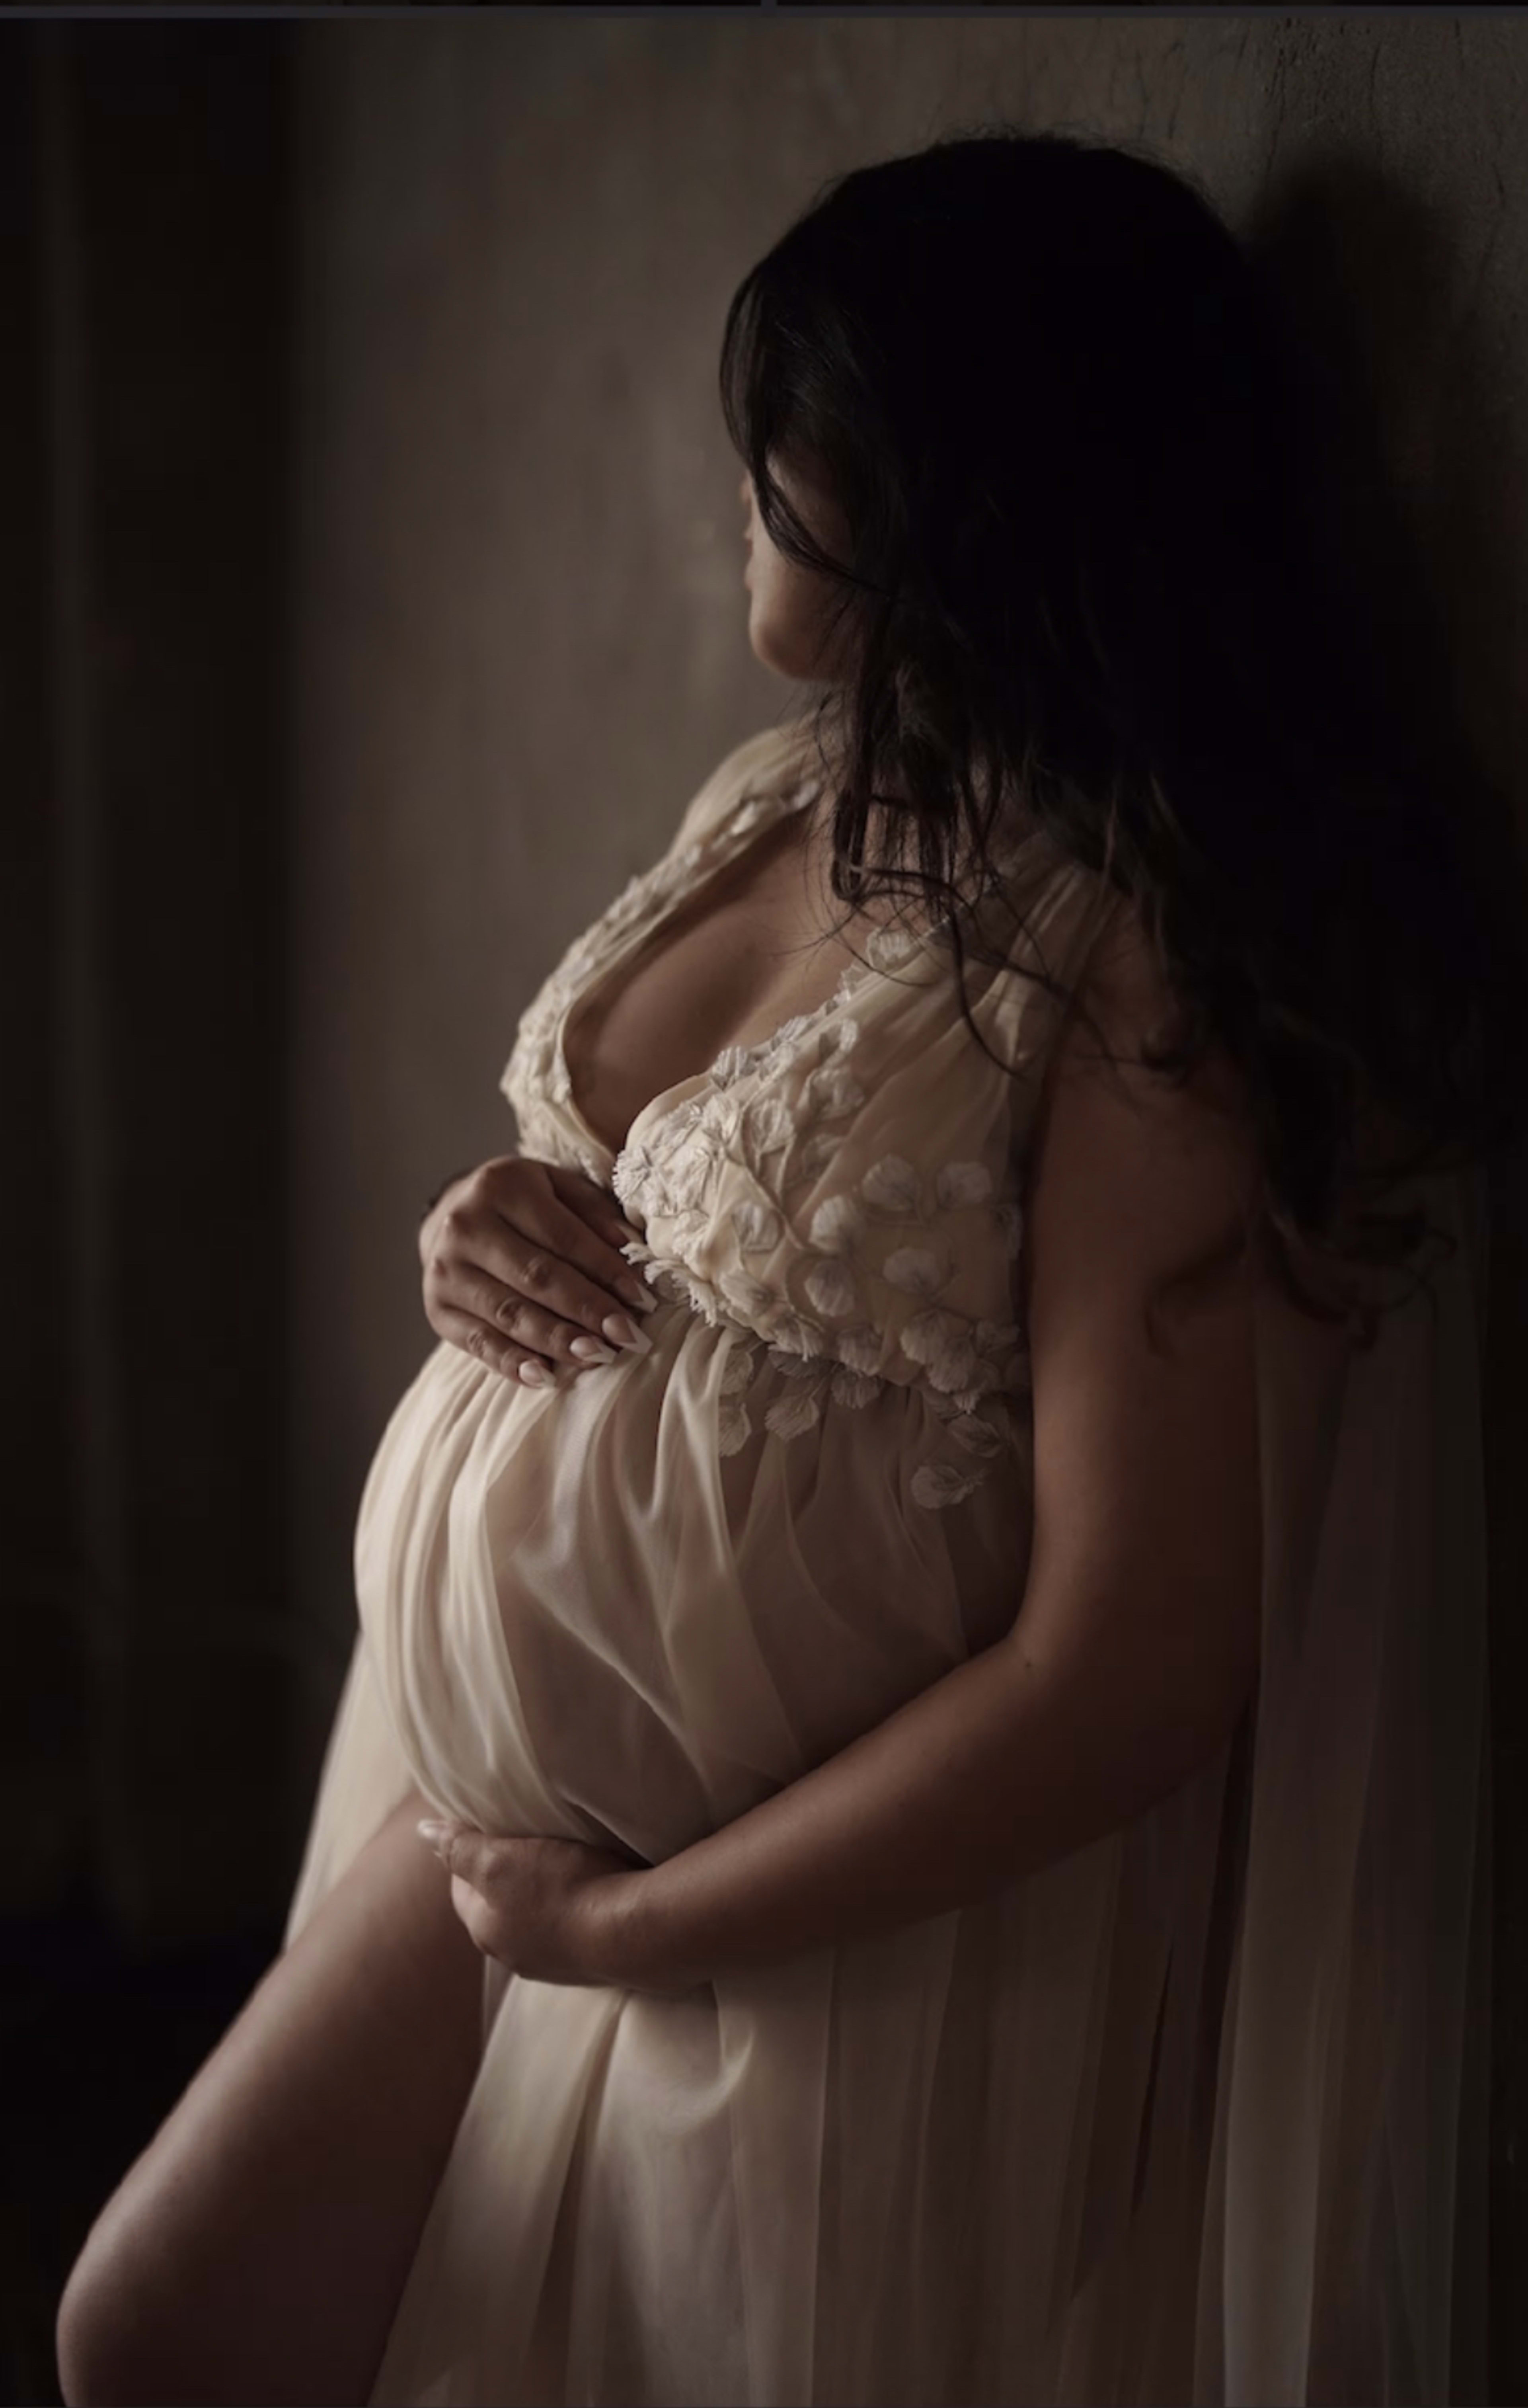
(589, 1622)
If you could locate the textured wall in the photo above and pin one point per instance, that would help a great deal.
(522, 629)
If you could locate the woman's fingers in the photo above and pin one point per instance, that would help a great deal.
(512, 1220)
(595, 1259)
(491, 1346)
(539, 1248)
(552, 1333)
(540, 1293)
(588, 1230)
(583, 1195)
(508, 1258)
(505, 1327)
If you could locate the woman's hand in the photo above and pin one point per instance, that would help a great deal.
(521, 1263)
(553, 1910)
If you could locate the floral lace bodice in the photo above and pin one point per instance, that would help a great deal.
(845, 1195)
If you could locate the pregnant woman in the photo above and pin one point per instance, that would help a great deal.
(956, 1725)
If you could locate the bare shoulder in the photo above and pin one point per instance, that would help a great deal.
(762, 764)
(1126, 990)
(1138, 1184)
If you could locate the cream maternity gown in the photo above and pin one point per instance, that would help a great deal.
(1195, 2114)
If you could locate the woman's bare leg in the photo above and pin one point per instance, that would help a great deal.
(257, 2250)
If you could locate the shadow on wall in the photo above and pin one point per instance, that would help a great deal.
(1409, 376)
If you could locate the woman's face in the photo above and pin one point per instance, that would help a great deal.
(787, 603)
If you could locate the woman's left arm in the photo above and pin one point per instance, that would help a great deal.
(1137, 1642)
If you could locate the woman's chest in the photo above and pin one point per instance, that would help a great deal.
(758, 943)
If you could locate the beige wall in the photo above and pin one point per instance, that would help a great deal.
(522, 627)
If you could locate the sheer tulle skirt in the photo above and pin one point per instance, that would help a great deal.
(1196, 2113)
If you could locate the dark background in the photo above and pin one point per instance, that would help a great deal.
(369, 608)
(145, 1687)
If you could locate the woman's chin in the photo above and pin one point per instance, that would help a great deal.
(767, 657)
(786, 660)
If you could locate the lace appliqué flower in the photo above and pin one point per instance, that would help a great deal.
(669, 1171)
(975, 1370)
(980, 1437)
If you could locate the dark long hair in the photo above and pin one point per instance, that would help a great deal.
(1091, 565)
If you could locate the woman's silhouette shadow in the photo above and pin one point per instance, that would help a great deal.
(1419, 470)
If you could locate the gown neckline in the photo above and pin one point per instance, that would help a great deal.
(744, 828)
(752, 816)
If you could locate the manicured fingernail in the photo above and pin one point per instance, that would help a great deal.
(536, 1375)
(435, 1834)
(589, 1350)
(623, 1332)
(638, 1295)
